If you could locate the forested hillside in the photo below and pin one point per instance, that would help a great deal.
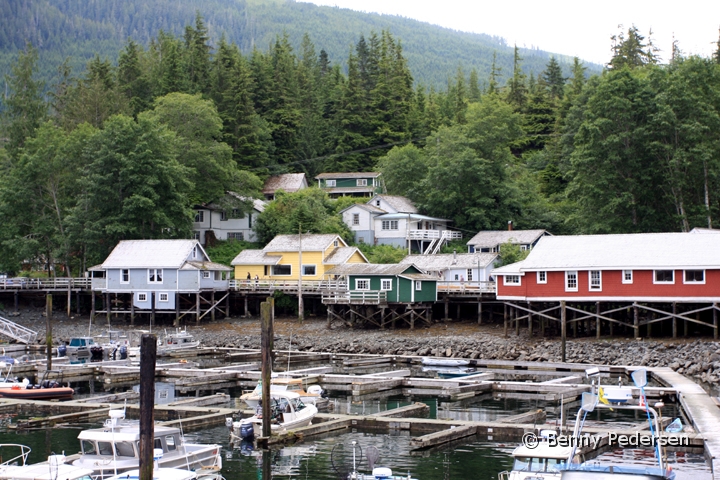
(127, 151)
(80, 29)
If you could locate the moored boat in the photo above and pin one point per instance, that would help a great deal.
(313, 394)
(445, 362)
(46, 389)
(15, 466)
(287, 411)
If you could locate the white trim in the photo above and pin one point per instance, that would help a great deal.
(272, 270)
(124, 282)
(539, 281)
(693, 282)
(160, 298)
(155, 271)
(590, 281)
(577, 278)
(654, 276)
(512, 284)
(625, 280)
(385, 280)
(418, 283)
(305, 265)
(330, 183)
(206, 274)
(362, 280)
(605, 298)
(144, 294)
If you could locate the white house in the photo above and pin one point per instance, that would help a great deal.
(287, 182)
(455, 267)
(489, 241)
(212, 222)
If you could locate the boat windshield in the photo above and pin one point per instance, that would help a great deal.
(124, 449)
(105, 448)
(87, 447)
(78, 342)
(298, 404)
(530, 464)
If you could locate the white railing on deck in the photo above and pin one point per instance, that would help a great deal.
(57, 283)
(433, 235)
(287, 285)
(466, 288)
(356, 297)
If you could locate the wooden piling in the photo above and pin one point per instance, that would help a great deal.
(69, 298)
(176, 322)
(597, 320)
(715, 321)
(148, 355)
(636, 321)
(674, 320)
(447, 308)
(530, 320)
(107, 308)
(266, 323)
(505, 320)
(212, 304)
(92, 306)
(48, 329)
(479, 311)
(563, 329)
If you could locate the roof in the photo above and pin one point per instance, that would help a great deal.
(258, 204)
(411, 216)
(365, 206)
(640, 251)
(150, 254)
(287, 182)
(369, 188)
(348, 175)
(310, 242)
(341, 255)
(398, 203)
(704, 230)
(205, 266)
(417, 276)
(445, 261)
(492, 238)
(255, 257)
(369, 269)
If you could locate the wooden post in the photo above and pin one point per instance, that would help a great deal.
(649, 325)
(212, 305)
(612, 327)
(517, 322)
(530, 320)
(715, 321)
(597, 320)
(457, 310)
(382, 318)
(563, 329)
(505, 320)
(69, 299)
(92, 307)
(412, 318)
(447, 308)
(152, 310)
(674, 320)
(148, 355)
(48, 329)
(636, 321)
(266, 339)
(266, 463)
(176, 322)
(685, 328)
(246, 306)
(574, 325)
(197, 308)
(329, 315)
(479, 310)
(15, 294)
(77, 302)
(227, 305)
(543, 321)
(132, 309)
(107, 307)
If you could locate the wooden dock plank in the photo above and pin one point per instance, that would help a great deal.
(445, 436)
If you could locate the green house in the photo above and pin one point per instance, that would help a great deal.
(351, 184)
(388, 283)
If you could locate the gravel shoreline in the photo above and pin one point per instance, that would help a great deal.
(698, 359)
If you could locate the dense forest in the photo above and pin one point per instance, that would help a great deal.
(78, 30)
(126, 151)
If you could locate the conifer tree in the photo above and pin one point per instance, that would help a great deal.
(493, 85)
(554, 79)
(517, 90)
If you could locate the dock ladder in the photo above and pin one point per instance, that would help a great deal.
(17, 332)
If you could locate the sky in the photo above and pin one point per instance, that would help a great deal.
(571, 27)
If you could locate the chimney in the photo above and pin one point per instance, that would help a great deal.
(454, 257)
(509, 225)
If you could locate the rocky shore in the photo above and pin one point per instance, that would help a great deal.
(698, 359)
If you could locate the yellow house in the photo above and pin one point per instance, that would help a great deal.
(280, 259)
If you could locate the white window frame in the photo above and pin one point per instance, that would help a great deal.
(359, 280)
(154, 273)
(513, 280)
(123, 271)
(142, 297)
(541, 277)
(223, 216)
(418, 285)
(239, 236)
(694, 282)
(389, 225)
(598, 286)
(356, 219)
(272, 270)
(568, 274)
(658, 282)
(309, 274)
(199, 216)
(330, 183)
(206, 274)
(469, 274)
(361, 182)
(163, 297)
(385, 284)
(625, 274)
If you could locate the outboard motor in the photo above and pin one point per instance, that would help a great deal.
(62, 350)
(123, 352)
(246, 430)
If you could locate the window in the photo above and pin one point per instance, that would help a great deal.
(308, 270)
(155, 275)
(664, 276)
(142, 297)
(377, 203)
(595, 278)
(627, 276)
(330, 183)
(282, 269)
(124, 275)
(361, 239)
(541, 277)
(124, 449)
(199, 216)
(223, 216)
(470, 274)
(511, 280)
(236, 213)
(361, 182)
(336, 243)
(218, 275)
(694, 276)
(524, 247)
(162, 297)
(418, 285)
(389, 224)
(356, 219)
(195, 252)
(240, 236)
(571, 281)
(386, 284)
(250, 220)
(362, 284)
(196, 235)
(170, 442)
(471, 249)
(206, 274)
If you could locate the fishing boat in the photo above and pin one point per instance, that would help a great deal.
(160, 473)
(313, 395)
(47, 389)
(543, 461)
(78, 347)
(15, 466)
(287, 411)
(115, 348)
(115, 448)
(179, 341)
(445, 362)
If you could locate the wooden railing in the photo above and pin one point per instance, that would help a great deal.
(433, 235)
(261, 285)
(355, 297)
(465, 288)
(57, 283)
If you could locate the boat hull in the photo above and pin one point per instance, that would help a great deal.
(59, 393)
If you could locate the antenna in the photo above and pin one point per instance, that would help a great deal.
(289, 348)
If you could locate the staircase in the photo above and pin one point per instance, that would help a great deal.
(17, 332)
(437, 243)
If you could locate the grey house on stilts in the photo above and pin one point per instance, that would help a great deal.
(160, 276)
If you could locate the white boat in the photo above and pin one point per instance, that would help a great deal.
(15, 466)
(284, 384)
(79, 347)
(115, 448)
(115, 348)
(179, 341)
(160, 473)
(287, 411)
(543, 462)
(10, 382)
(445, 362)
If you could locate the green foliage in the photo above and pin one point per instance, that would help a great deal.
(459, 246)
(403, 170)
(511, 253)
(382, 253)
(309, 210)
(630, 51)
(224, 251)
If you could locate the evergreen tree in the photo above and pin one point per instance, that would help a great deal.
(517, 90)
(631, 51)
(554, 79)
(474, 86)
(493, 85)
(132, 80)
(197, 56)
